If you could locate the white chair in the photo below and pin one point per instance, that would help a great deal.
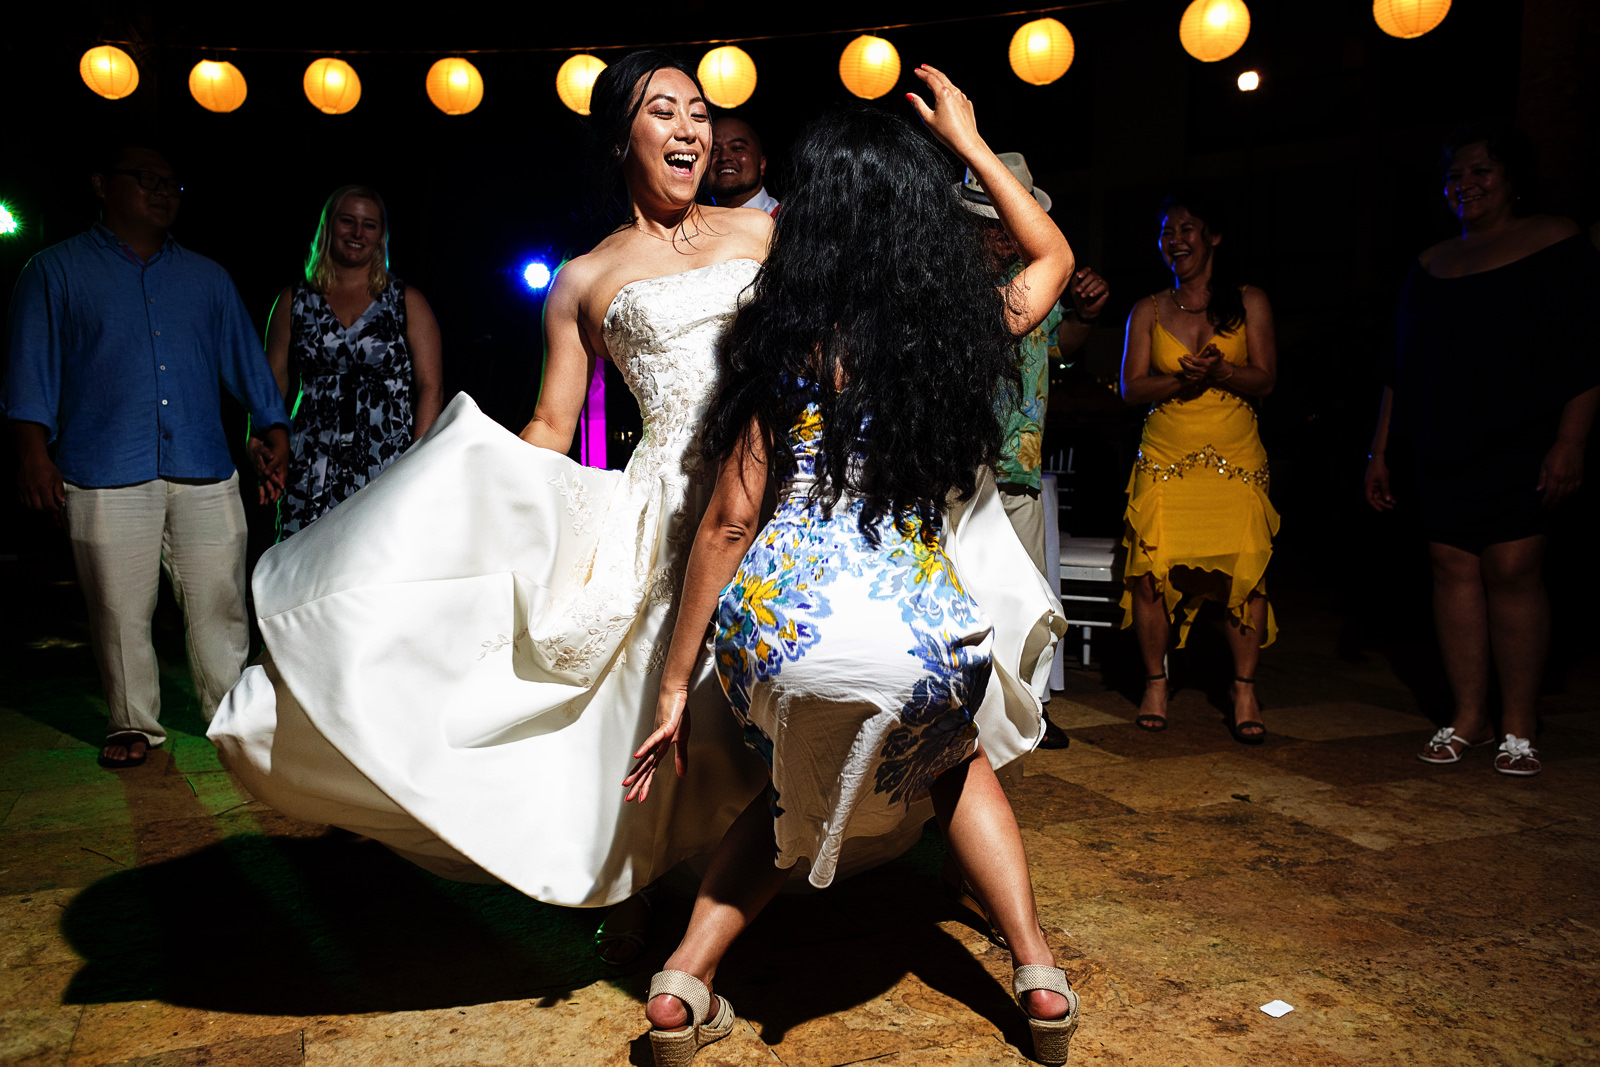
(1090, 587)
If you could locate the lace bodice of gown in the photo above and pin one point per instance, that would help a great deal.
(662, 333)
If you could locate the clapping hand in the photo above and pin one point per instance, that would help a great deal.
(1199, 371)
(1089, 292)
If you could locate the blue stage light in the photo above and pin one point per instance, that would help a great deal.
(535, 275)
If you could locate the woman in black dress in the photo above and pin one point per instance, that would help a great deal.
(1494, 391)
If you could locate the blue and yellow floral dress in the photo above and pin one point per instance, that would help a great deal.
(855, 670)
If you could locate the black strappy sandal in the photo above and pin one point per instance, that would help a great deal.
(1246, 733)
(1148, 720)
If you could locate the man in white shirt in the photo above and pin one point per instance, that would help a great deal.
(738, 167)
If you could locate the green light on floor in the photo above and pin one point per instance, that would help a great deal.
(9, 223)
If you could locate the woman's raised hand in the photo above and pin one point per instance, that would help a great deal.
(951, 118)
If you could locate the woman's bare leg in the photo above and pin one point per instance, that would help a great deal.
(1246, 648)
(741, 880)
(1153, 630)
(1519, 627)
(982, 832)
(1460, 616)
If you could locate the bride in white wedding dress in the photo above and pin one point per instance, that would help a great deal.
(462, 657)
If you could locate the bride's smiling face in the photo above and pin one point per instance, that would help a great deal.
(669, 144)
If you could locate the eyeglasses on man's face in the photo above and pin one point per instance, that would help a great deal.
(154, 181)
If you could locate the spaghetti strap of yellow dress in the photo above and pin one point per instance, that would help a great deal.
(1197, 496)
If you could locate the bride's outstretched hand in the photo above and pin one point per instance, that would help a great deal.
(671, 733)
(951, 118)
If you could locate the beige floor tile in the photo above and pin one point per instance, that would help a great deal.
(32, 922)
(600, 1025)
(30, 862)
(1182, 782)
(35, 987)
(111, 1033)
(1327, 722)
(1071, 714)
(98, 802)
(1415, 812)
(49, 766)
(278, 1050)
(36, 1037)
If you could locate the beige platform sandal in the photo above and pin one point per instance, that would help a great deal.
(676, 1048)
(1051, 1037)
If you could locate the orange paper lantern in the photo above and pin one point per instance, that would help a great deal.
(217, 86)
(869, 66)
(728, 75)
(332, 86)
(1041, 51)
(109, 71)
(455, 86)
(1214, 29)
(575, 81)
(1409, 18)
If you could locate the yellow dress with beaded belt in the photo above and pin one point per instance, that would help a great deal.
(1197, 496)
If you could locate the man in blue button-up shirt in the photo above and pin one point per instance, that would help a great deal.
(121, 341)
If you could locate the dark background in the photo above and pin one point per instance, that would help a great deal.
(1330, 171)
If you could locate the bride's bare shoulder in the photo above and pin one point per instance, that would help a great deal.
(744, 222)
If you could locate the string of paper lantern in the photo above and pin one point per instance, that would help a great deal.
(455, 86)
(1409, 18)
(869, 66)
(728, 75)
(1041, 51)
(332, 86)
(1214, 29)
(575, 81)
(217, 86)
(109, 71)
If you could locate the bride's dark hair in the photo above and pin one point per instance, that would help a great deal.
(877, 278)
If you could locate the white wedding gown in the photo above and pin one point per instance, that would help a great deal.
(462, 657)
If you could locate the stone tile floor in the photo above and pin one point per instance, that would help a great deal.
(1410, 914)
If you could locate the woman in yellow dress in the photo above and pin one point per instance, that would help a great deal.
(1199, 525)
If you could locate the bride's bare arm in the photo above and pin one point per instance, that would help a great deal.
(568, 363)
(730, 524)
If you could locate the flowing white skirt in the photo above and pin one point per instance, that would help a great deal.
(462, 658)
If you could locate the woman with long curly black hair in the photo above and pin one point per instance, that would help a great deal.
(861, 380)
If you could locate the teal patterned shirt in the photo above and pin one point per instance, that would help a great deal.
(1024, 424)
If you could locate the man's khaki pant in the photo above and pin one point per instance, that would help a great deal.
(122, 540)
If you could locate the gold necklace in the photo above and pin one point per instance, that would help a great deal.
(1192, 311)
(676, 233)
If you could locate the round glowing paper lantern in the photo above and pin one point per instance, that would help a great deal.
(869, 66)
(1249, 81)
(1041, 51)
(332, 86)
(728, 74)
(109, 71)
(1409, 18)
(455, 86)
(217, 86)
(1214, 29)
(575, 81)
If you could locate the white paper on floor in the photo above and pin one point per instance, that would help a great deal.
(1277, 1009)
